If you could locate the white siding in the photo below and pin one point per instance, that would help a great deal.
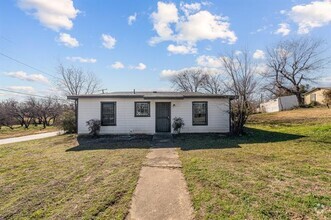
(288, 102)
(270, 106)
(90, 108)
(279, 104)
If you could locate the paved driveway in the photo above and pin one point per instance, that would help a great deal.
(30, 137)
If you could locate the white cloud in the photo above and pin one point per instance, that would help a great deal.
(27, 77)
(208, 48)
(284, 29)
(190, 8)
(310, 16)
(168, 73)
(182, 29)
(181, 49)
(82, 60)
(282, 12)
(211, 27)
(209, 61)
(238, 52)
(261, 68)
(132, 18)
(67, 40)
(117, 65)
(259, 54)
(55, 15)
(108, 41)
(166, 14)
(206, 3)
(140, 66)
(27, 89)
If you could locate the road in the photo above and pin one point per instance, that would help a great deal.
(30, 137)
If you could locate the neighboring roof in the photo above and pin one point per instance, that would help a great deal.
(315, 89)
(152, 95)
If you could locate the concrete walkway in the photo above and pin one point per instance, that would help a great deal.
(30, 137)
(161, 192)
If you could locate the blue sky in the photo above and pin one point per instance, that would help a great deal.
(161, 37)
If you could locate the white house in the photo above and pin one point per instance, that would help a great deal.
(153, 112)
(279, 104)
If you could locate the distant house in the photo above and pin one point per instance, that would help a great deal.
(279, 104)
(316, 95)
(153, 112)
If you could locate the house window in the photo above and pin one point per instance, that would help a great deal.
(200, 113)
(142, 109)
(108, 113)
(313, 97)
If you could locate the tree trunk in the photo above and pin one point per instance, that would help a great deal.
(299, 98)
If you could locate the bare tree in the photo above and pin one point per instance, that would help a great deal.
(189, 80)
(241, 81)
(45, 110)
(23, 112)
(293, 63)
(6, 114)
(75, 81)
(213, 84)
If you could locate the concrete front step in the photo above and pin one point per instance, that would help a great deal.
(162, 136)
(162, 140)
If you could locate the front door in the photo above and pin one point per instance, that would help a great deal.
(163, 116)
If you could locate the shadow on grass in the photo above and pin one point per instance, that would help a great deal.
(183, 141)
(214, 141)
(112, 142)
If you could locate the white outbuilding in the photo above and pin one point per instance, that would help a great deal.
(279, 104)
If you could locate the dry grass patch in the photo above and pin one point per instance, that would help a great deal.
(54, 179)
(296, 116)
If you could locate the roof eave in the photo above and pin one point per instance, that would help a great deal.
(75, 97)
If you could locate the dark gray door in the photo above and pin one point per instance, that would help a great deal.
(163, 116)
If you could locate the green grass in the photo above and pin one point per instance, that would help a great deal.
(62, 178)
(276, 171)
(18, 131)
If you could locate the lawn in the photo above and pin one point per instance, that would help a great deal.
(66, 178)
(281, 169)
(18, 131)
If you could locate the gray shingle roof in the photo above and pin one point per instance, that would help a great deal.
(152, 95)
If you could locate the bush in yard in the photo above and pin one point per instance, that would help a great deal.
(178, 124)
(67, 122)
(94, 127)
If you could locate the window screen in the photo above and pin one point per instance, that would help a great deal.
(142, 109)
(200, 113)
(108, 113)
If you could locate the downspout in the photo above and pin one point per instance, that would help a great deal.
(76, 114)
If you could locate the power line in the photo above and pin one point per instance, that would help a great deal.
(6, 39)
(28, 94)
(20, 62)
